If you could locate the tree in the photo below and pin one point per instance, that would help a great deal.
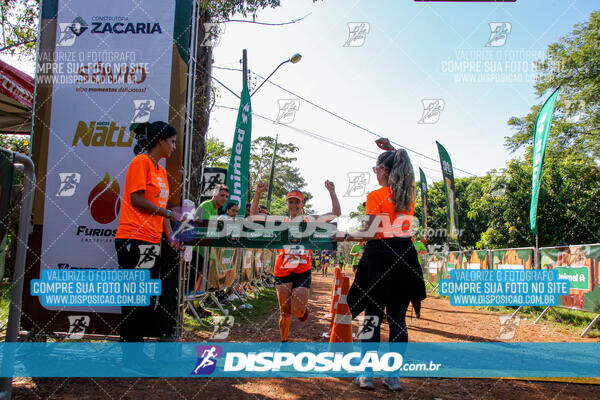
(470, 225)
(286, 177)
(217, 155)
(573, 64)
(212, 12)
(19, 26)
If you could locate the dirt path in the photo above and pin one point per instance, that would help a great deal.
(439, 322)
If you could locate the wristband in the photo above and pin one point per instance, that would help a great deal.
(169, 214)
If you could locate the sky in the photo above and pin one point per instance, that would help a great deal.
(412, 54)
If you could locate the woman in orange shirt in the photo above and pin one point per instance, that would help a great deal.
(144, 219)
(293, 266)
(388, 276)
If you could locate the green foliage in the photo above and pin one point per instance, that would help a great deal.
(493, 210)
(223, 10)
(217, 155)
(19, 26)
(573, 64)
(17, 143)
(286, 176)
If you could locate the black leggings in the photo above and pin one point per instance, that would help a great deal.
(135, 321)
(396, 317)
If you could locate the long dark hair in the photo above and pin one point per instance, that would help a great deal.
(148, 134)
(401, 177)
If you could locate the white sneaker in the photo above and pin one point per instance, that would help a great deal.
(365, 382)
(392, 383)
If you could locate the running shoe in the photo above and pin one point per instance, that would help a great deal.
(305, 316)
(365, 382)
(392, 383)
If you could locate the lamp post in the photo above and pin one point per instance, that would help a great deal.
(294, 59)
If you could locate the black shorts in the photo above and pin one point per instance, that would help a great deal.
(298, 280)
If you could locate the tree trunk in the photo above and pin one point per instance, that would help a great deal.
(202, 105)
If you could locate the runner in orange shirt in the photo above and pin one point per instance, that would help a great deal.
(144, 219)
(293, 266)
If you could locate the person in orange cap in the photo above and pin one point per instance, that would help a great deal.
(293, 266)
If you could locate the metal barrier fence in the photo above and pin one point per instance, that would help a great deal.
(579, 264)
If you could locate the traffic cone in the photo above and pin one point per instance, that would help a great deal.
(335, 294)
(342, 321)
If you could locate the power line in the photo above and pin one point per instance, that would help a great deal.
(345, 146)
(356, 125)
(307, 133)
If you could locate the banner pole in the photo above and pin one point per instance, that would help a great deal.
(537, 252)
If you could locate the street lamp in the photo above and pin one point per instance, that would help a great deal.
(294, 59)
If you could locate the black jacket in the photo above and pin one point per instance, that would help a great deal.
(388, 273)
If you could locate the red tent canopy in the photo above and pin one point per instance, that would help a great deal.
(16, 100)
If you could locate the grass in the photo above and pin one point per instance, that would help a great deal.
(573, 321)
(263, 304)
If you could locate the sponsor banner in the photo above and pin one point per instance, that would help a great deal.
(424, 200)
(448, 173)
(110, 68)
(540, 139)
(101, 68)
(269, 262)
(211, 177)
(222, 270)
(513, 259)
(435, 264)
(259, 265)
(243, 233)
(475, 259)
(239, 162)
(453, 261)
(580, 266)
(247, 265)
(274, 360)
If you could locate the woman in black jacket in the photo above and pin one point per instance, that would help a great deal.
(388, 276)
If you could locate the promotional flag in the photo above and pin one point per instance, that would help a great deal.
(448, 174)
(542, 128)
(424, 199)
(239, 163)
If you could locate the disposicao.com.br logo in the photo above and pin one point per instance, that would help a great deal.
(324, 362)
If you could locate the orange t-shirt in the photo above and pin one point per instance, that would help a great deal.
(292, 260)
(134, 223)
(393, 224)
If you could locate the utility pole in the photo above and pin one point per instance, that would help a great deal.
(245, 66)
(270, 189)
